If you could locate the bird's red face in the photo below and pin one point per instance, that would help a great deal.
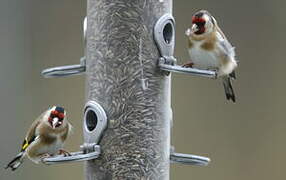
(56, 117)
(198, 24)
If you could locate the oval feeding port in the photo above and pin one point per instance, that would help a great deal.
(168, 33)
(164, 35)
(94, 123)
(91, 120)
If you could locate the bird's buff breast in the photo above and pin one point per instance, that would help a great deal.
(54, 147)
(202, 58)
(41, 146)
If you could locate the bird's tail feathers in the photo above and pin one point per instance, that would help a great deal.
(228, 88)
(233, 75)
(16, 162)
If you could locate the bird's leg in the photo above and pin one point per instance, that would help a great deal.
(43, 156)
(189, 64)
(64, 152)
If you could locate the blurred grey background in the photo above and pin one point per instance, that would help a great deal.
(245, 140)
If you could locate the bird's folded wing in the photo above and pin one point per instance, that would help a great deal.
(226, 47)
(31, 134)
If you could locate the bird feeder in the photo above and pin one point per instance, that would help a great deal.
(95, 119)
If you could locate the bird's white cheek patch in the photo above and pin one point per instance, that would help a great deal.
(188, 32)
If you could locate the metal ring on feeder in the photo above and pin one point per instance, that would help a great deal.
(189, 159)
(75, 156)
(191, 71)
(62, 71)
(94, 123)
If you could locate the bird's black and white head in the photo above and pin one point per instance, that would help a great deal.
(202, 23)
(56, 117)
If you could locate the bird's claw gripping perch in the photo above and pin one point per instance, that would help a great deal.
(64, 152)
(187, 70)
(188, 65)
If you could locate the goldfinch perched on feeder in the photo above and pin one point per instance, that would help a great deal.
(209, 49)
(45, 137)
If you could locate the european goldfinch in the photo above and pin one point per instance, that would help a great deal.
(209, 49)
(45, 137)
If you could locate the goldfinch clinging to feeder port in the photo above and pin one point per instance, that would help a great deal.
(45, 137)
(209, 49)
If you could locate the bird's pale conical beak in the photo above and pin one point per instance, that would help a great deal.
(55, 122)
(195, 28)
(188, 32)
